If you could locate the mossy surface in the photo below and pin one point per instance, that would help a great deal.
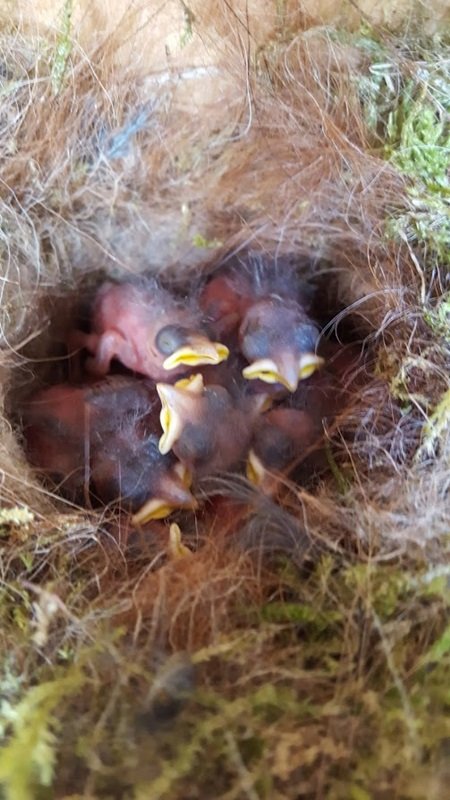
(340, 678)
(407, 106)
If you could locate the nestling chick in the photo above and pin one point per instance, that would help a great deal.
(328, 392)
(147, 330)
(281, 438)
(102, 439)
(55, 425)
(204, 426)
(279, 340)
(126, 461)
(293, 433)
(130, 468)
(264, 303)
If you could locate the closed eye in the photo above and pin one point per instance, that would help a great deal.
(257, 341)
(306, 336)
(171, 338)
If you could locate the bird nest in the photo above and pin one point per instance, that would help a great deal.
(270, 646)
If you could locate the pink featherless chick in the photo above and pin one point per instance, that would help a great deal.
(149, 331)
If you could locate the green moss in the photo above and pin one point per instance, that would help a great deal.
(298, 612)
(438, 317)
(28, 758)
(63, 48)
(406, 101)
(200, 241)
(436, 426)
(317, 678)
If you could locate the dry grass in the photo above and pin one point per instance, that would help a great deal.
(299, 650)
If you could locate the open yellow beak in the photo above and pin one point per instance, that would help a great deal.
(171, 425)
(193, 384)
(287, 370)
(172, 398)
(268, 371)
(199, 350)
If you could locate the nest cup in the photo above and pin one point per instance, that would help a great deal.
(112, 173)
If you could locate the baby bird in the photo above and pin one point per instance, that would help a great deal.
(282, 438)
(126, 463)
(101, 440)
(147, 330)
(329, 391)
(54, 421)
(207, 429)
(264, 304)
(293, 433)
(128, 467)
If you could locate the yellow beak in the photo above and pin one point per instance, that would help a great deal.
(156, 508)
(255, 469)
(287, 370)
(173, 398)
(175, 494)
(176, 549)
(171, 422)
(270, 372)
(263, 479)
(308, 364)
(172, 426)
(199, 350)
